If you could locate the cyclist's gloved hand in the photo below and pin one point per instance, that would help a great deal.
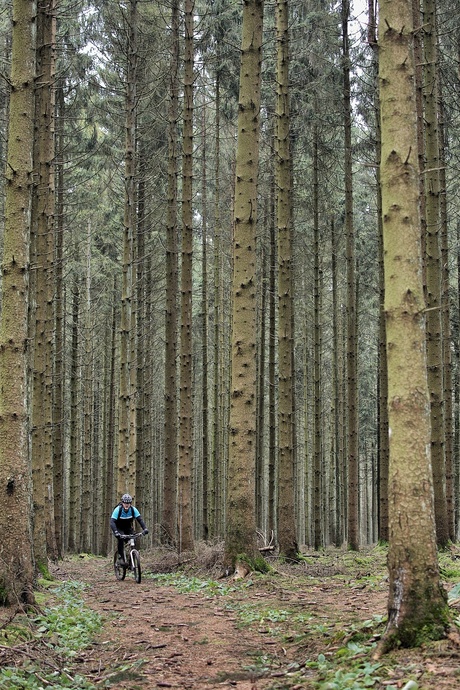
(117, 534)
(145, 531)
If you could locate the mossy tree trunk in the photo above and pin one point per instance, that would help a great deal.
(241, 526)
(17, 564)
(417, 608)
(43, 290)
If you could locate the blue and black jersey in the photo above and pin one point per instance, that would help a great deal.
(122, 520)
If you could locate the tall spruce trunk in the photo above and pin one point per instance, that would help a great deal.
(184, 517)
(204, 340)
(337, 400)
(417, 608)
(352, 347)
(433, 271)
(262, 519)
(87, 490)
(216, 470)
(382, 442)
(126, 455)
(74, 489)
(272, 368)
(172, 289)
(142, 417)
(42, 256)
(318, 469)
(17, 564)
(446, 331)
(241, 527)
(287, 540)
(109, 435)
(110, 439)
(59, 367)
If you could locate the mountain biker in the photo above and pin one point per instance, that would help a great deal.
(121, 522)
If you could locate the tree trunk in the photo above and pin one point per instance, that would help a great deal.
(217, 456)
(87, 492)
(352, 349)
(382, 387)
(272, 368)
(59, 361)
(241, 527)
(142, 416)
(417, 608)
(337, 398)
(433, 272)
(184, 518)
(264, 519)
(446, 331)
(204, 338)
(126, 459)
(17, 564)
(109, 419)
(286, 518)
(318, 469)
(74, 442)
(170, 461)
(42, 299)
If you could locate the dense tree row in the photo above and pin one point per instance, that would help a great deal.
(203, 316)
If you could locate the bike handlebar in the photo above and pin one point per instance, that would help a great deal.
(131, 536)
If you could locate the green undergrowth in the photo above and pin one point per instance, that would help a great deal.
(42, 648)
(323, 649)
(189, 584)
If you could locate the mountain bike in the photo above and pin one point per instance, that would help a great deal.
(132, 560)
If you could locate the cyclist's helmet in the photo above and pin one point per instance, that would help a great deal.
(126, 498)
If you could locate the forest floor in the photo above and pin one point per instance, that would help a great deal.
(310, 625)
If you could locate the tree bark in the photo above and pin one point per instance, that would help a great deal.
(184, 518)
(204, 339)
(172, 288)
(287, 540)
(241, 528)
(59, 360)
(433, 272)
(417, 608)
(352, 348)
(318, 466)
(74, 441)
(42, 298)
(17, 564)
(126, 446)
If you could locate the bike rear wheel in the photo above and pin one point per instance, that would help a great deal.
(120, 570)
(136, 565)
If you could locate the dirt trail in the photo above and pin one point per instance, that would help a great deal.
(178, 640)
(156, 637)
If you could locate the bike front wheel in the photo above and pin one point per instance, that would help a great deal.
(120, 570)
(136, 565)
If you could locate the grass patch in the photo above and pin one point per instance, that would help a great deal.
(187, 584)
(70, 623)
(53, 639)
